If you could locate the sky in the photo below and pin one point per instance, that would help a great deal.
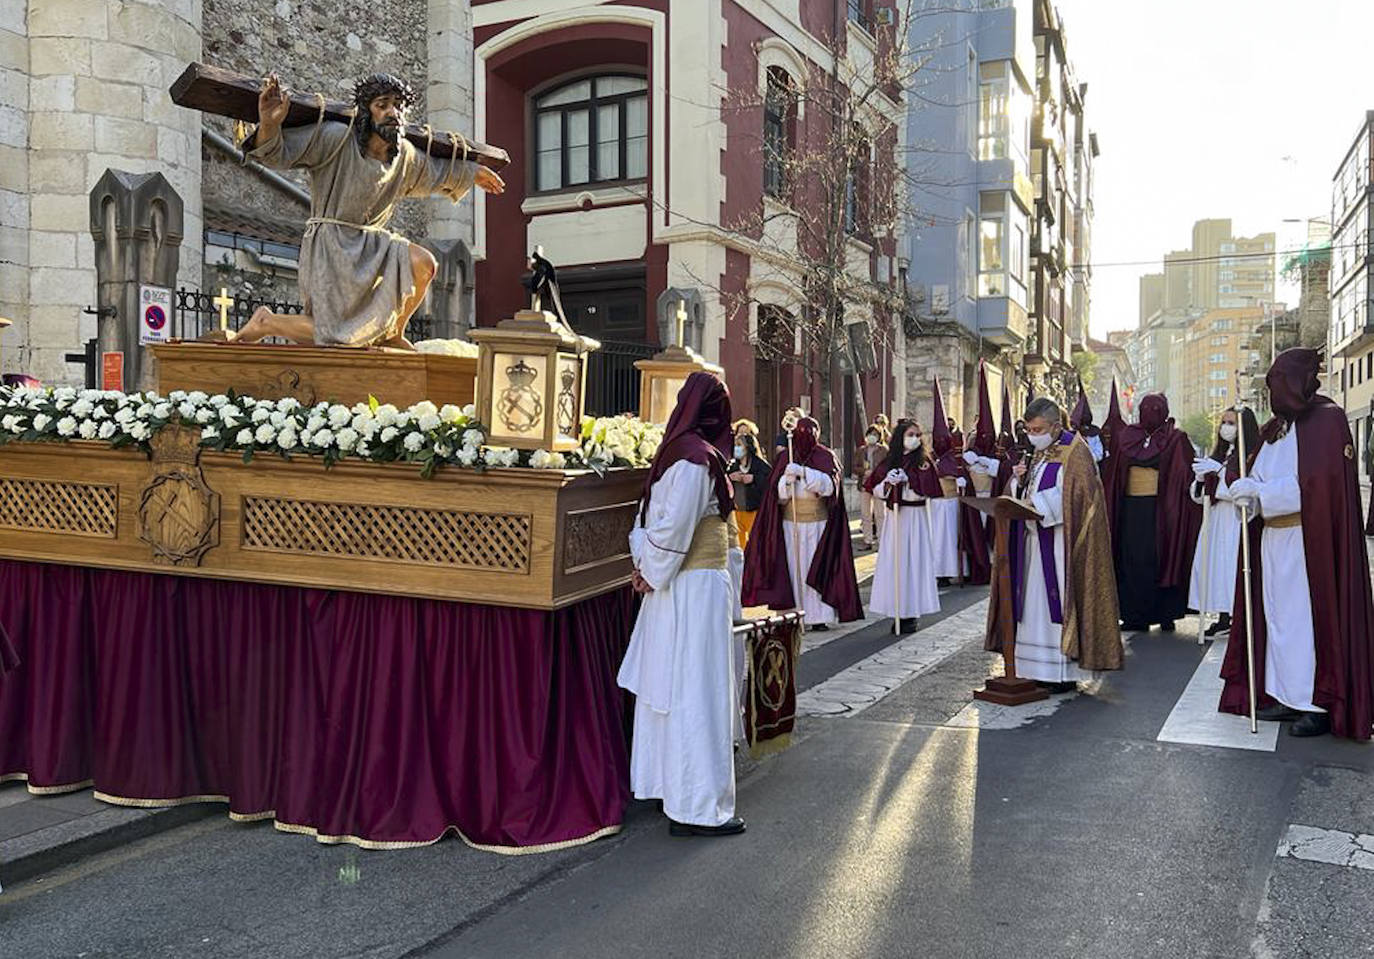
(1212, 109)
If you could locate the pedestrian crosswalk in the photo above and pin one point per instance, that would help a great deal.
(1194, 719)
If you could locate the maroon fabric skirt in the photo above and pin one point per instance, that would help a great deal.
(375, 719)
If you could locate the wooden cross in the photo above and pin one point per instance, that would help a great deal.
(682, 323)
(224, 301)
(225, 93)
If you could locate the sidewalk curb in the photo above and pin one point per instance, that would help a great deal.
(63, 844)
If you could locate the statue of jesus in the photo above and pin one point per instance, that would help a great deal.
(359, 281)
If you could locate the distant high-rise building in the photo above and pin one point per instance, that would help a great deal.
(1151, 296)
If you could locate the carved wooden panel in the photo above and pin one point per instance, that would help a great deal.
(178, 513)
(433, 537)
(593, 536)
(84, 509)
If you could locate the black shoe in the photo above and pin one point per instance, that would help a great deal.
(819, 628)
(1167, 626)
(1311, 724)
(731, 827)
(1135, 627)
(1278, 713)
(942, 582)
(1222, 625)
(1066, 687)
(907, 625)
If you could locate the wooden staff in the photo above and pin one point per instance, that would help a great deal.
(1245, 572)
(893, 512)
(789, 423)
(1202, 614)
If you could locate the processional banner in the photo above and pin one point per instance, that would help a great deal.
(773, 649)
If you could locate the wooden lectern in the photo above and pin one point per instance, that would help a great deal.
(1007, 690)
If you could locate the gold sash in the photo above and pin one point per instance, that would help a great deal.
(1142, 481)
(1286, 521)
(711, 543)
(949, 485)
(809, 510)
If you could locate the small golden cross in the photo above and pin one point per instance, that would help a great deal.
(682, 323)
(224, 301)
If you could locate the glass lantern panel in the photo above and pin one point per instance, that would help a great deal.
(519, 382)
(663, 396)
(568, 398)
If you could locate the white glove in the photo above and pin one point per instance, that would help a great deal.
(960, 482)
(970, 457)
(796, 470)
(896, 477)
(1245, 488)
(1204, 465)
(979, 468)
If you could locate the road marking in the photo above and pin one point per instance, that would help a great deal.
(1195, 720)
(1327, 845)
(853, 690)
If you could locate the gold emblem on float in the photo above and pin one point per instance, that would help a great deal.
(521, 408)
(771, 682)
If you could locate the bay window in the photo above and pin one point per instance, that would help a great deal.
(591, 130)
(1002, 232)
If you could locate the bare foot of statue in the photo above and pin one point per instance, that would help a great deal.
(398, 344)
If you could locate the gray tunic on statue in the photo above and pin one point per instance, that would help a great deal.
(354, 272)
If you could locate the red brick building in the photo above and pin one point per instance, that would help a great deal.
(640, 140)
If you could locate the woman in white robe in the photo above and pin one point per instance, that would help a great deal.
(810, 487)
(1290, 653)
(1212, 587)
(683, 663)
(904, 578)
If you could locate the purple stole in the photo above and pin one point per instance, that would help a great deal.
(1047, 564)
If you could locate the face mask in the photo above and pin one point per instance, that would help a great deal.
(739, 452)
(911, 442)
(1041, 441)
(1228, 432)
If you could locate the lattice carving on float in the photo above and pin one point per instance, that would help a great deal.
(432, 537)
(83, 509)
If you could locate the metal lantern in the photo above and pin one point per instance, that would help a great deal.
(531, 379)
(664, 375)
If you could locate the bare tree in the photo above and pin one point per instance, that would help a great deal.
(837, 181)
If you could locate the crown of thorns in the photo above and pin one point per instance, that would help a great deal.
(382, 84)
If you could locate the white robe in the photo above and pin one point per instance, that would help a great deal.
(1038, 637)
(944, 534)
(907, 535)
(1095, 447)
(1217, 565)
(1290, 657)
(683, 662)
(815, 485)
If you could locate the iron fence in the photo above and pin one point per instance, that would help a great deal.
(612, 380)
(196, 314)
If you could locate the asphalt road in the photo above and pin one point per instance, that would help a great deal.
(902, 831)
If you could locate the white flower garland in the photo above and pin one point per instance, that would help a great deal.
(424, 433)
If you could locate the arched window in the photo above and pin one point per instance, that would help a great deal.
(591, 130)
(779, 108)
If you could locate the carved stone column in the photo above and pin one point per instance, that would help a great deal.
(137, 221)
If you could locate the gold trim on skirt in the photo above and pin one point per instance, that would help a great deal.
(1142, 481)
(359, 841)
